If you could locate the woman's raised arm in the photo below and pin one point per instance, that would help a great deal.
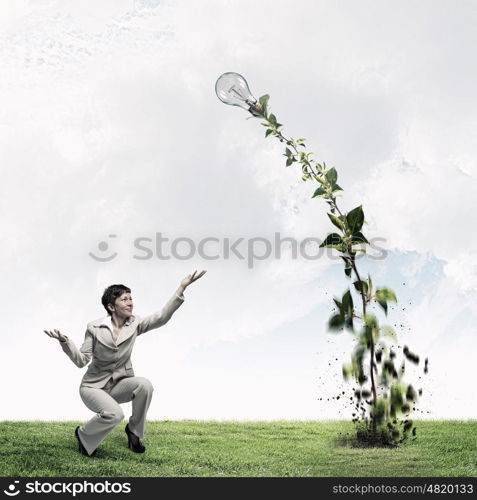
(81, 356)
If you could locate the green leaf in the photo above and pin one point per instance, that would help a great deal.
(268, 132)
(371, 327)
(340, 248)
(349, 323)
(384, 305)
(348, 268)
(319, 178)
(378, 412)
(289, 162)
(357, 363)
(383, 296)
(336, 322)
(371, 320)
(347, 301)
(319, 192)
(332, 175)
(386, 294)
(388, 331)
(347, 310)
(355, 219)
(288, 152)
(336, 221)
(338, 304)
(347, 371)
(272, 118)
(397, 395)
(263, 101)
(332, 239)
(358, 238)
(335, 187)
(361, 286)
(389, 368)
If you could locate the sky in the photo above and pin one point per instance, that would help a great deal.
(110, 131)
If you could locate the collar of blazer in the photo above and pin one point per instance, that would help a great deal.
(105, 329)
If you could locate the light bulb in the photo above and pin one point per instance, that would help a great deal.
(232, 88)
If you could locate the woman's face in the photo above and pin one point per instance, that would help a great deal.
(123, 305)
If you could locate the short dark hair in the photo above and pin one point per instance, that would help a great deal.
(111, 294)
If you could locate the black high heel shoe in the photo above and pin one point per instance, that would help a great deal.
(133, 441)
(81, 448)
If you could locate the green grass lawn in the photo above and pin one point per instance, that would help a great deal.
(196, 448)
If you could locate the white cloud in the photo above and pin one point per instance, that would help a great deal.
(111, 126)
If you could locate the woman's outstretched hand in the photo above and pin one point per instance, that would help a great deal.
(190, 278)
(56, 334)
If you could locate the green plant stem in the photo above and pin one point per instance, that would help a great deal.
(308, 165)
(363, 298)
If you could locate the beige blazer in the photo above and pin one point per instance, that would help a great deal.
(107, 358)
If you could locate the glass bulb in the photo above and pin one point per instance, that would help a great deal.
(232, 88)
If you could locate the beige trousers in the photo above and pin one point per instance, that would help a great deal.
(105, 402)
